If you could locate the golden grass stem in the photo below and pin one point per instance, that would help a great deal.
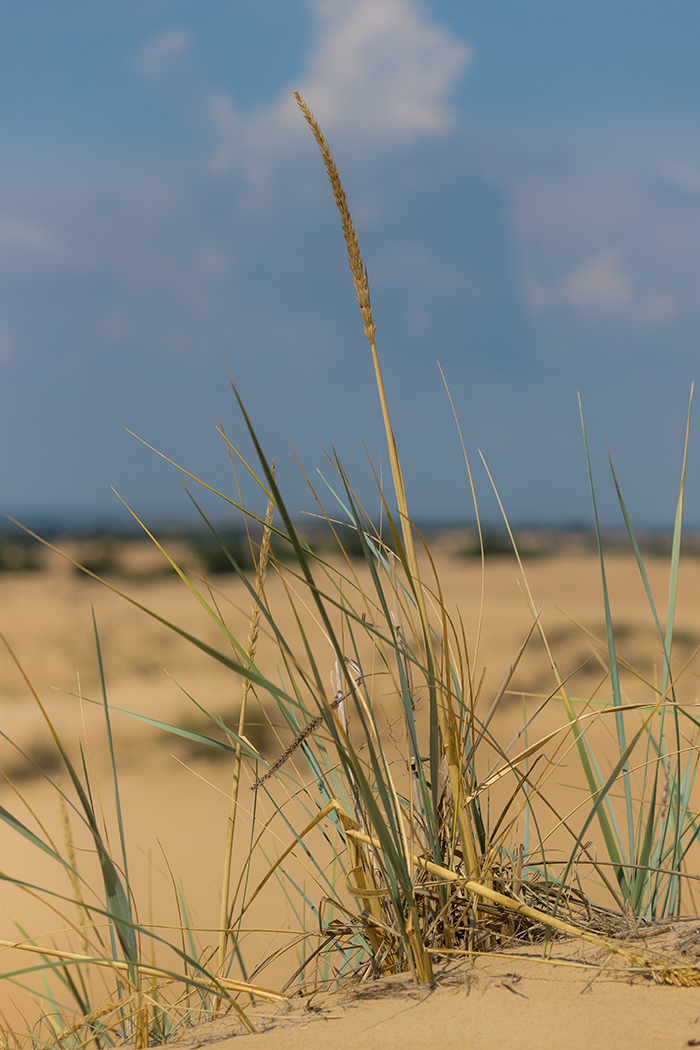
(147, 971)
(253, 634)
(360, 279)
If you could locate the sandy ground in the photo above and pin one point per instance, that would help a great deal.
(175, 801)
(511, 1002)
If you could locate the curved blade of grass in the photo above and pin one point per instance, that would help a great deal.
(676, 548)
(612, 657)
(115, 779)
(673, 814)
(19, 827)
(606, 821)
(116, 899)
(642, 572)
(670, 620)
(640, 880)
(187, 734)
(207, 981)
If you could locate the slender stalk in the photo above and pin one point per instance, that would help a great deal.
(361, 282)
(152, 971)
(253, 634)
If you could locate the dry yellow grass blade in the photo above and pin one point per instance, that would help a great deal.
(148, 971)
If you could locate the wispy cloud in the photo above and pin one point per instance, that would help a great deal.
(603, 287)
(608, 226)
(25, 235)
(600, 284)
(379, 73)
(160, 53)
(381, 69)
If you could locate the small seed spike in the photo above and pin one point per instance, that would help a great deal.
(357, 265)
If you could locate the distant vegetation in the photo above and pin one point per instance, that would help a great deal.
(129, 556)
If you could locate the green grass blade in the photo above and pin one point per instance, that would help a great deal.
(612, 656)
(187, 734)
(112, 759)
(640, 879)
(676, 549)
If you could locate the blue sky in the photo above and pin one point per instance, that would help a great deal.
(525, 180)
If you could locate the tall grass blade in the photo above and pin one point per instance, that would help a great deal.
(612, 658)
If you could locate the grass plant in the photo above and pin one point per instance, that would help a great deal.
(397, 825)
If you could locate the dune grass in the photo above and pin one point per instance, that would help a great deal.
(419, 832)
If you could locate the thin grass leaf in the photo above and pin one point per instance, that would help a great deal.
(612, 657)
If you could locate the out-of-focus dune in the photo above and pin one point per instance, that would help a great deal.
(175, 799)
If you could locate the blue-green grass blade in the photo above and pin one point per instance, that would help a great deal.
(643, 574)
(187, 734)
(612, 656)
(190, 961)
(429, 799)
(199, 480)
(640, 878)
(606, 820)
(260, 604)
(676, 547)
(613, 842)
(374, 548)
(208, 608)
(603, 793)
(670, 621)
(112, 758)
(19, 827)
(63, 975)
(116, 899)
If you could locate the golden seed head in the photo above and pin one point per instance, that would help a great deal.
(357, 266)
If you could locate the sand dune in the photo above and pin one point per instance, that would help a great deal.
(175, 798)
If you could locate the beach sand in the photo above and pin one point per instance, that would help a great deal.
(574, 1001)
(175, 800)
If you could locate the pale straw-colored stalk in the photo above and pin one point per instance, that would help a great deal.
(361, 282)
(251, 648)
(120, 966)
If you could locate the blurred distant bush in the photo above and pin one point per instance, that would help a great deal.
(20, 555)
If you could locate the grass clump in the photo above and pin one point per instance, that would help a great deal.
(417, 831)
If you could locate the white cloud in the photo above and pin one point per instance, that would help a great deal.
(662, 306)
(379, 72)
(599, 285)
(158, 55)
(682, 177)
(606, 218)
(28, 236)
(380, 69)
(603, 286)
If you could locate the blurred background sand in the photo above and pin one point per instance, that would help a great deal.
(175, 795)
